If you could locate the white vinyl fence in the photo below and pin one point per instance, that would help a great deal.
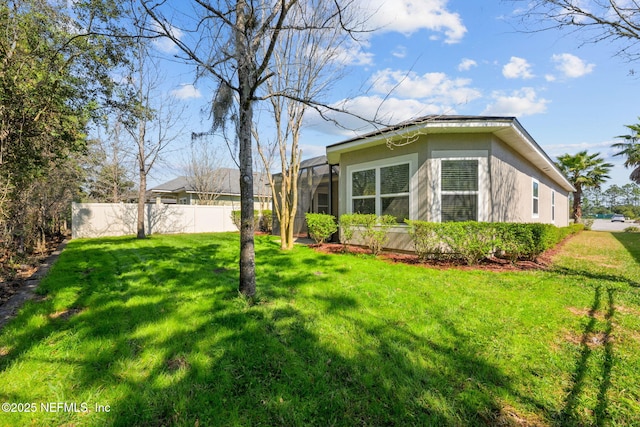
(119, 219)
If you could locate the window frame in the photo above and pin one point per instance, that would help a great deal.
(410, 159)
(535, 207)
(437, 157)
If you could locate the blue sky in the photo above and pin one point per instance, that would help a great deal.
(472, 57)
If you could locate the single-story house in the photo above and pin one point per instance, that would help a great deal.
(450, 168)
(222, 188)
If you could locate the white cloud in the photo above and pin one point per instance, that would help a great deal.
(433, 87)
(466, 64)
(571, 66)
(165, 44)
(378, 108)
(517, 68)
(399, 52)
(352, 55)
(186, 91)
(409, 16)
(519, 103)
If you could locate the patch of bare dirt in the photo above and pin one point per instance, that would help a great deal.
(591, 340)
(176, 363)
(509, 416)
(65, 314)
(587, 312)
(14, 277)
(21, 287)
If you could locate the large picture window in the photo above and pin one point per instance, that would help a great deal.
(459, 190)
(382, 189)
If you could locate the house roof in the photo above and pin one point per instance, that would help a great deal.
(228, 180)
(508, 129)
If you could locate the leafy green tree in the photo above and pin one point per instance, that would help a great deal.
(583, 171)
(54, 69)
(631, 150)
(614, 196)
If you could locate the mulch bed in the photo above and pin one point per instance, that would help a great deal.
(493, 264)
(14, 278)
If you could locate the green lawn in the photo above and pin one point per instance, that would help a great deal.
(155, 329)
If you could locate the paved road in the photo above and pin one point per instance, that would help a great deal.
(607, 225)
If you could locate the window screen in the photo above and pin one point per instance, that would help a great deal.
(459, 190)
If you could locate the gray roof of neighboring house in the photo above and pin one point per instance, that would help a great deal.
(228, 180)
(318, 165)
(508, 129)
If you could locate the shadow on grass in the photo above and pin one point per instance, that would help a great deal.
(160, 332)
(597, 276)
(592, 338)
(631, 242)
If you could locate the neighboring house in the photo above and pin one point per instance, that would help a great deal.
(314, 192)
(224, 190)
(450, 168)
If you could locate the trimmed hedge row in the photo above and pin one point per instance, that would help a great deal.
(474, 241)
(468, 241)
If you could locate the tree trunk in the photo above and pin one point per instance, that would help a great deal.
(247, 285)
(577, 205)
(141, 199)
(246, 82)
(284, 222)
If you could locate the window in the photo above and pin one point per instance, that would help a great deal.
(459, 179)
(536, 198)
(553, 206)
(459, 190)
(382, 189)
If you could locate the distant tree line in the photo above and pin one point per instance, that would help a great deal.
(623, 199)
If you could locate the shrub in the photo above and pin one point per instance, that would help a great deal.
(587, 223)
(473, 241)
(427, 238)
(235, 217)
(513, 240)
(321, 226)
(266, 221)
(347, 224)
(632, 229)
(376, 231)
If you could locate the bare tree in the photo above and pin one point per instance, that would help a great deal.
(305, 64)
(109, 175)
(204, 172)
(152, 120)
(597, 20)
(234, 42)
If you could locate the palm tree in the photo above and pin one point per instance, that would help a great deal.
(631, 149)
(583, 171)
